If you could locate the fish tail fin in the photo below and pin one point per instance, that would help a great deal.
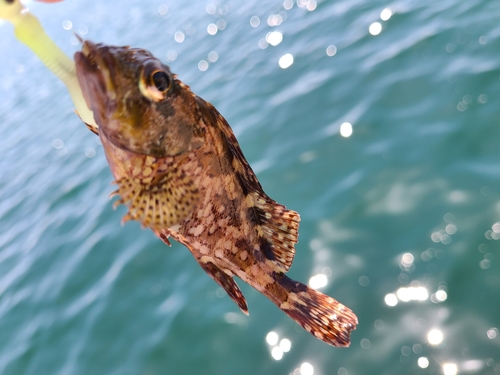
(321, 315)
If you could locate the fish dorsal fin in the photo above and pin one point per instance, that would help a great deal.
(277, 227)
(278, 230)
(158, 202)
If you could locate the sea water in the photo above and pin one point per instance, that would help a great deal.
(379, 122)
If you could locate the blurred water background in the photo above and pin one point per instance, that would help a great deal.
(378, 121)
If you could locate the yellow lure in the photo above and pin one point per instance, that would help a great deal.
(30, 32)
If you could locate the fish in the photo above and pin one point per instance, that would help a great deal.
(180, 172)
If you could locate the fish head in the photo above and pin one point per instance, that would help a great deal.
(139, 105)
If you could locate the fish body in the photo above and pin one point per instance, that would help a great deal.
(180, 171)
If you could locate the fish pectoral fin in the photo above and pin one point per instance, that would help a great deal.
(158, 202)
(227, 283)
(278, 230)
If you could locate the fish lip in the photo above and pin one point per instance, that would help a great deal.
(93, 64)
(89, 74)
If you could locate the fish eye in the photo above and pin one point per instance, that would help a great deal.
(161, 80)
(155, 85)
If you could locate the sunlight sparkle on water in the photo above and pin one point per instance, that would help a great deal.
(441, 236)
(331, 50)
(412, 293)
(484, 264)
(423, 362)
(451, 229)
(83, 30)
(67, 25)
(407, 260)
(213, 56)
(274, 38)
(386, 14)
(203, 65)
(435, 337)
(346, 129)
(318, 281)
(263, 44)
(171, 55)
(288, 4)
(496, 228)
(364, 281)
(391, 299)
(57, 144)
(307, 157)
(162, 9)
(254, 21)
(301, 3)
(311, 5)
(277, 353)
(189, 29)
(483, 98)
(285, 345)
(439, 296)
(286, 61)
(275, 20)
(272, 338)
(278, 350)
(306, 369)
(221, 24)
(179, 37)
(90, 152)
(472, 365)
(379, 324)
(365, 344)
(212, 29)
(492, 333)
(211, 8)
(450, 369)
(375, 28)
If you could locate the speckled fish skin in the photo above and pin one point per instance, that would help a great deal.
(180, 171)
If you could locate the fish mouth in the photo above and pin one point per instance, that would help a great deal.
(93, 69)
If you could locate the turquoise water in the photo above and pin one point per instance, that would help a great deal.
(405, 210)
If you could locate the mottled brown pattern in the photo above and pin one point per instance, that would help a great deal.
(181, 172)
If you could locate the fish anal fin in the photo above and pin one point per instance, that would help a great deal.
(227, 283)
(279, 228)
(158, 201)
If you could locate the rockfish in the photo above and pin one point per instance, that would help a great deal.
(180, 171)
